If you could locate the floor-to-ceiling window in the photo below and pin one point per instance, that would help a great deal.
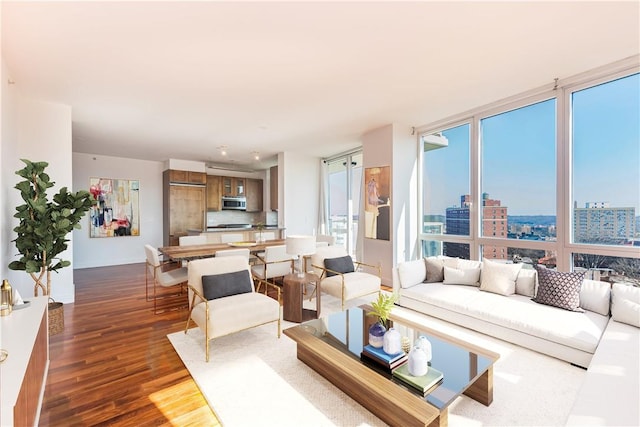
(552, 178)
(344, 195)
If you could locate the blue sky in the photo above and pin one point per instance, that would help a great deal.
(519, 154)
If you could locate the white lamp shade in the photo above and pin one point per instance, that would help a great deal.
(301, 245)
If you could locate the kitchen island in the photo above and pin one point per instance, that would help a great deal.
(249, 234)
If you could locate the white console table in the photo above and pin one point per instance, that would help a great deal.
(24, 335)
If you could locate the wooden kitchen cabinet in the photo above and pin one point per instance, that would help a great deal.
(187, 177)
(214, 192)
(233, 187)
(273, 188)
(183, 209)
(254, 195)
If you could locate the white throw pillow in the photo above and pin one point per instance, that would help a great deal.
(466, 264)
(595, 296)
(625, 304)
(499, 278)
(456, 276)
(411, 273)
(526, 282)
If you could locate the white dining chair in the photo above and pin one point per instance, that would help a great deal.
(164, 279)
(234, 252)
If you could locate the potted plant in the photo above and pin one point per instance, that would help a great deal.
(44, 224)
(381, 309)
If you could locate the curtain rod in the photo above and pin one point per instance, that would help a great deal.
(343, 154)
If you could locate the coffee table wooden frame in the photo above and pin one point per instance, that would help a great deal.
(388, 401)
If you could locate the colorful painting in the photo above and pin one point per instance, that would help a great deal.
(116, 209)
(377, 204)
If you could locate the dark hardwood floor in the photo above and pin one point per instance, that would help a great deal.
(113, 364)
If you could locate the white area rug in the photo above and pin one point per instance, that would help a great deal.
(253, 379)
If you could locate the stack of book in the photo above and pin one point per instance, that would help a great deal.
(377, 356)
(423, 383)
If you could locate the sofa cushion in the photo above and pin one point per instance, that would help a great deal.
(526, 281)
(559, 289)
(595, 296)
(499, 278)
(519, 313)
(625, 304)
(457, 276)
(343, 264)
(412, 272)
(216, 286)
(435, 269)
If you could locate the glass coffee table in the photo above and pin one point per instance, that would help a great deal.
(332, 346)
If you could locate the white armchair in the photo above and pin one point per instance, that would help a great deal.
(224, 301)
(340, 282)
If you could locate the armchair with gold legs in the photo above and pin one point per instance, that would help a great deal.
(223, 299)
(343, 277)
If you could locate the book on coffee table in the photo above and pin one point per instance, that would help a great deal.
(380, 354)
(422, 383)
(387, 367)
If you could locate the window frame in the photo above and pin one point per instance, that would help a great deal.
(562, 92)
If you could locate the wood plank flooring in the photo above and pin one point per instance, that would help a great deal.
(113, 364)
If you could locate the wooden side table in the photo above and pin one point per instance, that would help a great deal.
(293, 295)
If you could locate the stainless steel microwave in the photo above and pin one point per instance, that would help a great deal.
(234, 203)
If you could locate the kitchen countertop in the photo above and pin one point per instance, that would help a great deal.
(221, 230)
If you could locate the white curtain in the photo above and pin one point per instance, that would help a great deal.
(359, 192)
(323, 206)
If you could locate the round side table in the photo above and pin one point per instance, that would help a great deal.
(292, 298)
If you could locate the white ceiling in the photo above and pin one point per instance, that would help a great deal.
(159, 80)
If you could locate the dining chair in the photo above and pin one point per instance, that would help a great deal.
(192, 240)
(244, 252)
(275, 263)
(164, 279)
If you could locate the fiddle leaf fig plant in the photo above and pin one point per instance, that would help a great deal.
(44, 224)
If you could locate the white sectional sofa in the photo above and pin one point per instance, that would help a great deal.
(588, 338)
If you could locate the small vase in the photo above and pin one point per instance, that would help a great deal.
(376, 334)
(392, 342)
(418, 362)
(423, 343)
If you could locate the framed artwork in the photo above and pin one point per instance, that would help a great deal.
(116, 212)
(377, 204)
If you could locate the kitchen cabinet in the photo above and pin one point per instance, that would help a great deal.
(184, 208)
(214, 192)
(254, 195)
(187, 177)
(273, 188)
(233, 187)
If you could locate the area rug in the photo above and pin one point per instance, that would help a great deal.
(253, 378)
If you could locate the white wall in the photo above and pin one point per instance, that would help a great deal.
(299, 183)
(96, 252)
(38, 131)
(392, 145)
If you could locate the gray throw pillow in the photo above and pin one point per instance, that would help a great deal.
(226, 284)
(343, 264)
(435, 270)
(559, 289)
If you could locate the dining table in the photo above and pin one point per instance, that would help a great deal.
(191, 252)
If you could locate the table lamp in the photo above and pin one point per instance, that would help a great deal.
(301, 246)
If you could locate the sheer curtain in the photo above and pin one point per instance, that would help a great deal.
(323, 205)
(360, 226)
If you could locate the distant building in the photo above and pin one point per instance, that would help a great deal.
(597, 222)
(432, 247)
(494, 224)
